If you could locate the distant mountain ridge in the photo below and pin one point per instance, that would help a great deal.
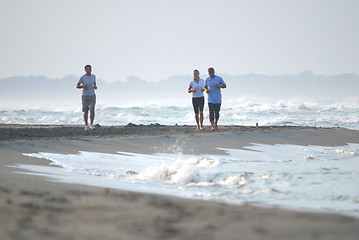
(304, 86)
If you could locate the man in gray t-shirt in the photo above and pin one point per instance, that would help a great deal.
(88, 83)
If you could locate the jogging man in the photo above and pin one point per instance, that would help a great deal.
(213, 87)
(88, 83)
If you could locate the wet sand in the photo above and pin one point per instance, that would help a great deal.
(33, 208)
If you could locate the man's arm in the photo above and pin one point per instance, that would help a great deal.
(81, 85)
(222, 84)
(94, 84)
(205, 87)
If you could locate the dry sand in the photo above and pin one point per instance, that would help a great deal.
(33, 208)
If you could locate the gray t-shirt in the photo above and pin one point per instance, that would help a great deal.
(89, 80)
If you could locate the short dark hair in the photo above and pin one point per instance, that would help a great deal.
(88, 66)
(211, 68)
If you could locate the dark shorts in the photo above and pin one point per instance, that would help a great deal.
(198, 104)
(88, 102)
(214, 109)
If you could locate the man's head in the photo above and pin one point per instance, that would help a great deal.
(88, 69)
(211, 72)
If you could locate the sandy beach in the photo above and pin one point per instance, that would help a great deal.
(33, 208)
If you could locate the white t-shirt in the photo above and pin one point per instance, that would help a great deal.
(90, 81)
(198, 87)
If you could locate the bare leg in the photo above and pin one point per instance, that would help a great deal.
(201, 120)
(86, 114)
(215, 124)
(92, 115)
(212, 126)
(197, 120)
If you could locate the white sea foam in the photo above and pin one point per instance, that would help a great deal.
(290, 176)
(233, 112)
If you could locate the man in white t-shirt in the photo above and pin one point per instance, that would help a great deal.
(88, 83)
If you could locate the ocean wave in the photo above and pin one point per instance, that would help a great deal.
(280, 175)
(234, 112)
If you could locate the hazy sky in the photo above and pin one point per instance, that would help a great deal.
(155, 39)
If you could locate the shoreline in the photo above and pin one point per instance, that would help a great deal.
(13, 132)
(33, 207)
(22, 132)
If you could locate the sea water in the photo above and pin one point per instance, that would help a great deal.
(234, 112)
(288, 176)
(310, 178)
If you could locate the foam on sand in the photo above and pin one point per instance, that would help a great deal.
(290, 176)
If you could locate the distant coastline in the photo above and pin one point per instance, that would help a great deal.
(40, 90)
